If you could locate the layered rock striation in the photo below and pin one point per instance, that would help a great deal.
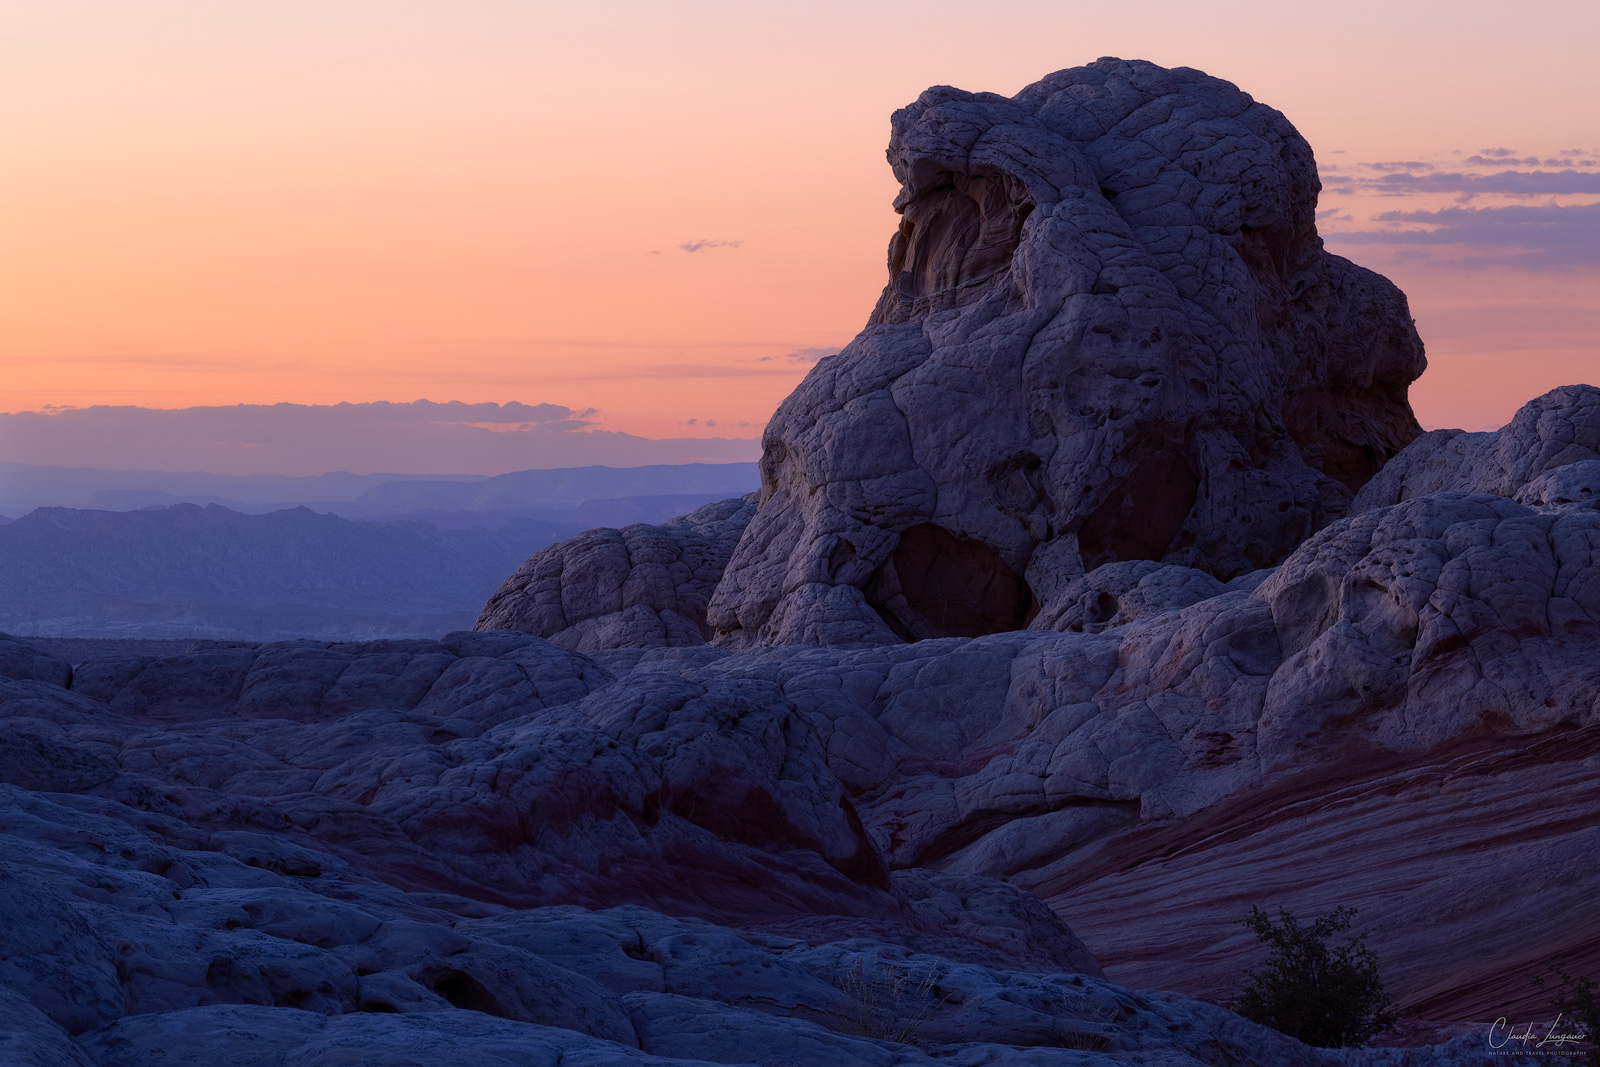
(1401, 716)
(427, 849)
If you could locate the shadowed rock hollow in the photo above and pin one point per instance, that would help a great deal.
(1110, 332)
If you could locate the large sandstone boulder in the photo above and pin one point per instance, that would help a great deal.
(1547, 456)
(1110, 332)
(641, 586)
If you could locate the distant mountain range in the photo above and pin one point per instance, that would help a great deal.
(91, 553)
(583, 495)
(25, 486)
(191, 571)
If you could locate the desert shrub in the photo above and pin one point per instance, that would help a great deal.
(894, 1001)
(1573, 1000)
(1323, 995)
(1098, 1014)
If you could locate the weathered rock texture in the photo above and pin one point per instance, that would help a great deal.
(1547, 456)
(1110, 332)
(638, 587)
(416, 849)
(430, 853)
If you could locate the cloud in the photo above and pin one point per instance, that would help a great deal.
(803, 356)
(700, 245)
(1508, 182)
(687, 370)
(1531, 161)
(423, 437)
(810, 355)
(1497, 207)
(1547, 236)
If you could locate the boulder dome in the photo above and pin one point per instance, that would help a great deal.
(1109, 332)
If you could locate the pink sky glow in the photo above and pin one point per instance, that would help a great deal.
(659, 215)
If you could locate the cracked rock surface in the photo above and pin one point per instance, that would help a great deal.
(638, 587)
(1110, 333)
(1548, 455)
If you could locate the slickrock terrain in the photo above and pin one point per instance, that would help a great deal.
(489, 849)
(1079, 611)
(1404, 716)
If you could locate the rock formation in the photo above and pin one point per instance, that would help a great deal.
(1110, 332)
(1031, 612)
(638, 587)
(426, 849)
(1408, 699)
(1547, 456)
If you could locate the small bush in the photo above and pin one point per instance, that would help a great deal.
(894, 1001)
(1098, 1014)
(1577, 1011)
(1325, 996)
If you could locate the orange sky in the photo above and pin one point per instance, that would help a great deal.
(326, 200)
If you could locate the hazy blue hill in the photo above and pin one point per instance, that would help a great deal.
(448, 501)
(29, 485)
(568, 487)
(190, 571)
(77, 649)
(159, 555)
(532, 493)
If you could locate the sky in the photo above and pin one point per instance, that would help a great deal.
(422, 437)
(660, 215)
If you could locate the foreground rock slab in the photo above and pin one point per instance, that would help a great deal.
(169, 951)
